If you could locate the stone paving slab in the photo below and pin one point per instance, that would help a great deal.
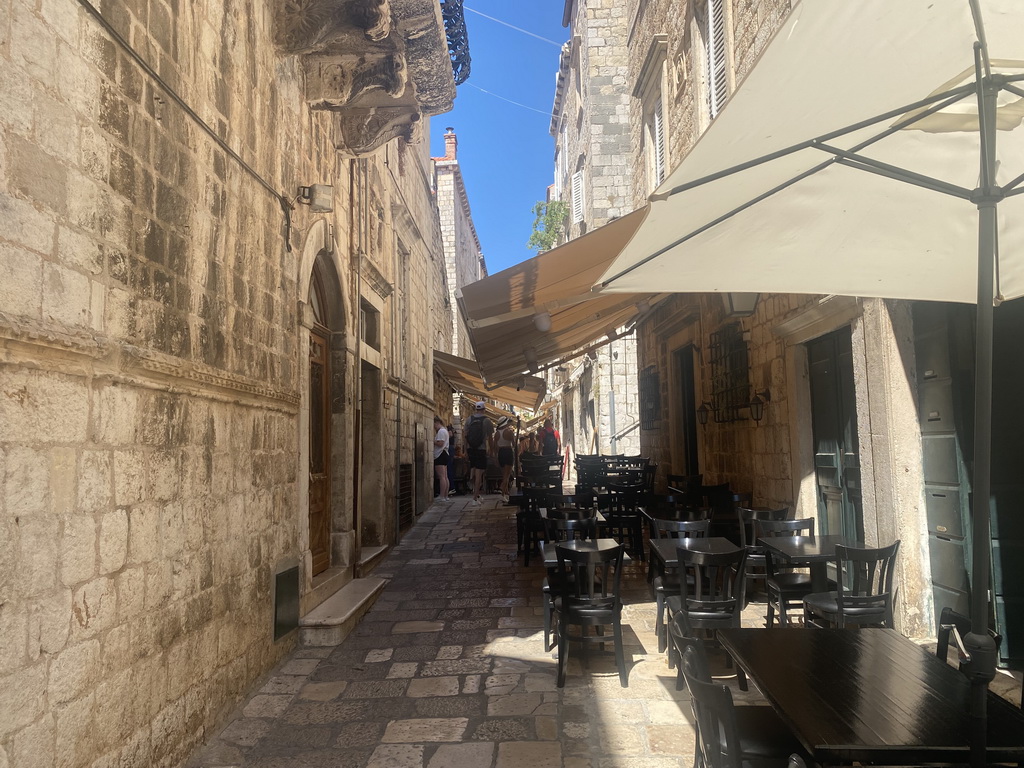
(447, 670)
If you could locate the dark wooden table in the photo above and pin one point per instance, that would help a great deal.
(665, 552)
(547, 549)
(814, 551)
(870, 695)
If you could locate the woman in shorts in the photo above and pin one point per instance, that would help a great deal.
(504, 438)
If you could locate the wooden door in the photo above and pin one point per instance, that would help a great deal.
(836, 450)
(688, 409)
(319, 450)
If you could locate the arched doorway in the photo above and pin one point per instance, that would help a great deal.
(319, 426)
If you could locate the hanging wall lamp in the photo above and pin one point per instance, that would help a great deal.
(758, 403)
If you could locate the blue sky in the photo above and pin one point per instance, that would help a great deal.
(505, 151)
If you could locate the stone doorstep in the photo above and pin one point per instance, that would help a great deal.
(331, 622)
(369, 558)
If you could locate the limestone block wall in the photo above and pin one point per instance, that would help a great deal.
(148, 384)
(752, 457)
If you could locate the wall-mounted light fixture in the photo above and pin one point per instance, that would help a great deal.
(758, 403)
(740, 304)
(542, 321)
(319, 197)
(703, 412)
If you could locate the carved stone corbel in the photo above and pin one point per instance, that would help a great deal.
(305, 26)
(361, 130)
(333, 82)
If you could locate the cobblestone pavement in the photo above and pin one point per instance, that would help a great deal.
(448, 670)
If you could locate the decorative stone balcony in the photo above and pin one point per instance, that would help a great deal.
(379, 65)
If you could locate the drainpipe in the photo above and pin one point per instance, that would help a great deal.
(611, 396)
(398, 359)
(357, 443)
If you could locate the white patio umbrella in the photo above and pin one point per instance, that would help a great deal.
(875, 149)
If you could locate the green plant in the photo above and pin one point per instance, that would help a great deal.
(548, 224)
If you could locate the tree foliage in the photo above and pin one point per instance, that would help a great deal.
(548, 225)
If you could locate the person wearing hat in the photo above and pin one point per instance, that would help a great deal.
(504, 438)
(477, 434)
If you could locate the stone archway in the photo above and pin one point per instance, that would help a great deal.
(324, 463)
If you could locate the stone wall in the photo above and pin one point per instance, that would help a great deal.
(153, 353)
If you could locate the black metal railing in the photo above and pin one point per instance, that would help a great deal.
(458, 40)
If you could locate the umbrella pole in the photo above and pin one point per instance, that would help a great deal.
(980, 665)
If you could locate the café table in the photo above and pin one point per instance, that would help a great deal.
(550, 558)
(870, 696)
(666, 551)
(813, 551)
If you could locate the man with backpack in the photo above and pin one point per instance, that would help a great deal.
(478, 432)
(550, 440)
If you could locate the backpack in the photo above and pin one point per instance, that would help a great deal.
(475, 432)
(550, 446)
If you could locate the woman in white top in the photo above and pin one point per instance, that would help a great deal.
(441, 458)
(504, 437)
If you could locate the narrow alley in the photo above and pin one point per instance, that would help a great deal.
(447, 670)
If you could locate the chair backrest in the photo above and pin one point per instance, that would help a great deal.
(712, 585)
(568, 529)
(590, 579)
(766, 529)
(690, 484)
(626, 498)
(865, 594)
(748, 516)
(680, 529)
(717, 733)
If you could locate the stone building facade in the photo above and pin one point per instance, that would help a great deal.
(845, 434)
(215, 391)
(598, 393)
(464, 261)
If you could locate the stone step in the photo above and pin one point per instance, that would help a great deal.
(332, 621)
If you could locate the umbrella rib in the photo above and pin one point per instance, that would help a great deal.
(854, 160)
(946, 98)
(952, 97)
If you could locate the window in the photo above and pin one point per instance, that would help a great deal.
(369, 324)
(715, 47)
(650, 398)
(650, 91)
(730, 388)
(654, 138)
(577, 197)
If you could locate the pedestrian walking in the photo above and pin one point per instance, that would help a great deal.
(550, 440)
(504, 438)
(441, 458)
(478, 434)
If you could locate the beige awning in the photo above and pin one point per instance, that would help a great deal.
(501, 310)
(526, 392)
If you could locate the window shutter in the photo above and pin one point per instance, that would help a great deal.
(658, 131)
(718, 84)
(577, 197)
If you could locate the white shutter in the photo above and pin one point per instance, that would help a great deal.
(718, 84)
(577, 197)
(658, 142)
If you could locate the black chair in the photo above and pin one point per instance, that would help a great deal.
(710, 592)
(666, 585)
(730, 736)
(863, 595)
(689, 484)
(558, 529)
(787, 585)
(755, 567)
(681, 636)
(589, 596)
(623, 519)
(530, 521)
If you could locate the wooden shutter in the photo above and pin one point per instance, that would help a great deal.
(658, 142)
(577, 197)
(718, 84)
